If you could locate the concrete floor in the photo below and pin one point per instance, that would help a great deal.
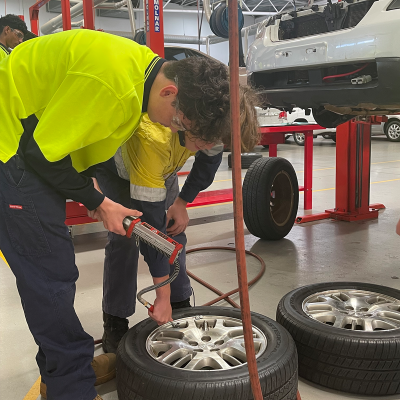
(314, 252)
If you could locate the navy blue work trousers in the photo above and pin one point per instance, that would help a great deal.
(36, 243)
(122, 254)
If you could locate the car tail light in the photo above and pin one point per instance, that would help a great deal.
(283, 115)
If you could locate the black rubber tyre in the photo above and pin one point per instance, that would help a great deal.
(246, 158)
(329, 119)
(299, 138)
(355, 361)
(141, 377)
(333, 137)
(392, 130)
(270, 198)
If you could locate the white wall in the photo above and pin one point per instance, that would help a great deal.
(174, 24)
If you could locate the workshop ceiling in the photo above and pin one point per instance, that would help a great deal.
(256, 6)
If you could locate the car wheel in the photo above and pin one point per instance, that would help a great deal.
(299, 138)
(333, 137)
(270, 198)
(202, 356)
(246, 158)
(326, 136)
(347, 335)
(329, 119)
(392, 131)
(266, 146)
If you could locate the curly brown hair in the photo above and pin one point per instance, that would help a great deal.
(249, 127)
(203, 97)
(203, 94)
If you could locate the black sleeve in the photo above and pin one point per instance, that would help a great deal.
(153, 214)
(63, 176)
(201, 175)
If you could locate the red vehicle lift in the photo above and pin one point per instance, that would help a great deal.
(353, 164)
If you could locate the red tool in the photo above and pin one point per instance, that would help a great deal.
(159, 241)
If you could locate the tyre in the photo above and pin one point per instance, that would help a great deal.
(247, 159)
(202, 356)
(299, 138)
(347, 335)
(392, 130)
(329, 119)
(270, 198)
(266, 146)
(333, 137)
(326, 135)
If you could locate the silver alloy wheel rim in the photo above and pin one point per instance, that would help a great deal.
(203, 343)
(300, 137)
(394, 131)
(353, 309)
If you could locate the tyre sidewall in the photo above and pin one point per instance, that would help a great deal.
(279, 346)
(291, 304)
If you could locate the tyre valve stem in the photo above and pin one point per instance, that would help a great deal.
(157, 240)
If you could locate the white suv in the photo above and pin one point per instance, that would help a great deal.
(340, 59)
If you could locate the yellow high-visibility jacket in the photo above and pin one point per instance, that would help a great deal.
(3, 52)
(150, 156)
(85, 87)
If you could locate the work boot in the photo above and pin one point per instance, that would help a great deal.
(114, 329)
(103, 367)
(180, 304)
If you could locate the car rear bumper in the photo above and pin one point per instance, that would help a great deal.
(380, 92)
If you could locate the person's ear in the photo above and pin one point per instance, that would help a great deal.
(6, 30)
(169, 91)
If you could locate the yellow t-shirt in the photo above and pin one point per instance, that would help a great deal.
(150, 156)
(86, 88)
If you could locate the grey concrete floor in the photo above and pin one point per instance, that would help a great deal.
(322, 251)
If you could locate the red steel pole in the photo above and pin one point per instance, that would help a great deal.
(66, 14)
(238, 199)
(88, 14)
(154, 26)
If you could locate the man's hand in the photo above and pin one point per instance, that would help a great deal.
(162, 304)
(112, 214)
(179, 214)
(398, 227)
(162, 312)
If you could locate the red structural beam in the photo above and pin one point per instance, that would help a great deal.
(66, 14)
(34, 15)
(88, 14)
(154, 26)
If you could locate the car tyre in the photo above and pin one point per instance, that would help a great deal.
(246, 158)
(141, 376)
(336, 354)
(270, 198)
(392, 130)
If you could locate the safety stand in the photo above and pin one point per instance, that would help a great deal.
(353, 164)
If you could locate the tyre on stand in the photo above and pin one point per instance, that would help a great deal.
(270, 198)
(201, 355)
(246, 159)
(347, 335)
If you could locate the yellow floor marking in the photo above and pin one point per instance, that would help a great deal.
(2, 257)
(34, 391)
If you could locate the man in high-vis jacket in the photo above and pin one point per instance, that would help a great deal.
(88, 91)
(12, 32)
